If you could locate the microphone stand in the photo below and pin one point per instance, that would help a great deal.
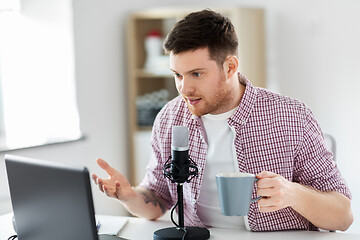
(180, 232)
(180, 205)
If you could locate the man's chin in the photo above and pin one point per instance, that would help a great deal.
(195, 112)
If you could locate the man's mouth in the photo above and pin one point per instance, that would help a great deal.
(193, 101)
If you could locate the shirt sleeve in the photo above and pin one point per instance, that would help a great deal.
(154, 179)
(314, 164)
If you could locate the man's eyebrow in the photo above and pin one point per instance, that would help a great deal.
(193, 70)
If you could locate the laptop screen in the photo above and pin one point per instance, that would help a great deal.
(50, 200)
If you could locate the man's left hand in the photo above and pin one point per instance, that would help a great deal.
(277, 192)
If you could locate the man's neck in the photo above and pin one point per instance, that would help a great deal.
(238, 90)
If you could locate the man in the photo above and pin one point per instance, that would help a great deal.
(235, 127)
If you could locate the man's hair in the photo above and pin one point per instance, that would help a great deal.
(203, 29)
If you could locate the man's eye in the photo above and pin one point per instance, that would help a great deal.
(177, 75)
(196, 74)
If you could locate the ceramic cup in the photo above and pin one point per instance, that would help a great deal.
(235, 190)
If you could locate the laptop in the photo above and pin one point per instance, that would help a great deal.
(51, 200)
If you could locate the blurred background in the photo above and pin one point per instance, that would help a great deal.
(80, 103)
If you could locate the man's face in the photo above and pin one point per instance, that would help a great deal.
(200, 82)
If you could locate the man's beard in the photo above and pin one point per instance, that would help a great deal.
(218, 104)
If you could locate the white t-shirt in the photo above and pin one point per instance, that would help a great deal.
(221, 157)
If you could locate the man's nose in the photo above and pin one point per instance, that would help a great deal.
(187, 87)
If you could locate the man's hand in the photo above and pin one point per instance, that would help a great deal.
(116, 185)
(277, 192)
(327, 210)
(138, 201)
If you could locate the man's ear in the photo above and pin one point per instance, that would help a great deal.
(230, 66)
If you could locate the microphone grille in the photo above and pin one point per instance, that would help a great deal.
(180, 137)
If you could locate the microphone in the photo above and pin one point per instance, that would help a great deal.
(180, 168)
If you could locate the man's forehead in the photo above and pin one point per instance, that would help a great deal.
(185, 61)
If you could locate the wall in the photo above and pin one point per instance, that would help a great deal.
(312, 54)
(100, 108)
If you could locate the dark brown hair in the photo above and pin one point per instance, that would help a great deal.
(203, 29)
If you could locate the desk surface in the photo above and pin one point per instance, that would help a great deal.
(142, 229)
(138, 228)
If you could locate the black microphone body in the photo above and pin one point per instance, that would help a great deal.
(180, 165)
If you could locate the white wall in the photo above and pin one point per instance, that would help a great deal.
(101, 105)
(312, 54)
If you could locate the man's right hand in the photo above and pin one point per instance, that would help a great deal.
(138, 201)
(116, 185)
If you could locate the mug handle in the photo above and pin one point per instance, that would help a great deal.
(258, 198)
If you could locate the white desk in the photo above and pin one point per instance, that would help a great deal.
(141, 229)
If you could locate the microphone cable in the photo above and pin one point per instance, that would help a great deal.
(173, 221)
(12, 237)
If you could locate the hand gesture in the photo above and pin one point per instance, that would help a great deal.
(116, 185)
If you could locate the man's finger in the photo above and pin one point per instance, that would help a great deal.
(117, 190)
(104, 165)
(268, 209)
(94, 177)
(100, 184)
(266, 174)
(266, 202)
(265, 192)
(110, 192)
(267, 183)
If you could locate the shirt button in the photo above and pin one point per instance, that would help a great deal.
(194, 201)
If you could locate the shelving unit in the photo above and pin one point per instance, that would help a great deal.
(249, 24)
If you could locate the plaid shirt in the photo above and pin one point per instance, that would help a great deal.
(273, 133)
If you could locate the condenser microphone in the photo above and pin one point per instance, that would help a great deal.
(180, 168)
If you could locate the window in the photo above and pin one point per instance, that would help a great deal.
(37, 75)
